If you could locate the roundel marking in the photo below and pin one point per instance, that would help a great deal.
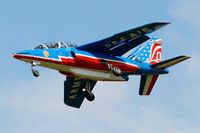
(46, 54)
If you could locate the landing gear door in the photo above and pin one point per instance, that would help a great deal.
(73, 91)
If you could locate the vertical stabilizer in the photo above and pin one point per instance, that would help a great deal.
(146, 84)
(150, 52)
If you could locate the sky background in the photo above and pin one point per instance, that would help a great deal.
(35, 105)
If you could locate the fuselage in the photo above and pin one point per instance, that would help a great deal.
(84, 64)
(73, 62)
(103, 60)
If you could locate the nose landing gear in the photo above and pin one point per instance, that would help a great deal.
(35, 72)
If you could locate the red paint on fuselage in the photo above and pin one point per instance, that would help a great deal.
(95, 63)
(82, 61)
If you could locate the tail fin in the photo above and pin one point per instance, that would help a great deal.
(150, 52)
(146, 84)
(148, 81)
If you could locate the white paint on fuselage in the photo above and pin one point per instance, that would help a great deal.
(79, 72)
(94, 74)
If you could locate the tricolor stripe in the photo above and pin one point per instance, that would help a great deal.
(146, 84)
(82, 60)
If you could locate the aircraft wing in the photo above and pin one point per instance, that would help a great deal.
(73, 91)
(121, 43)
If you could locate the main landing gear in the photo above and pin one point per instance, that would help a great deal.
(115, 70)
(35, 72)
(88, 92)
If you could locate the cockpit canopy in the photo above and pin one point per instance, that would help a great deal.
(51, 45)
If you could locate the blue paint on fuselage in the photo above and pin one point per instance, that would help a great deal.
(144, 68)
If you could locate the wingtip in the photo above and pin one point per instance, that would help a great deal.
(163, 23)
(187, 57)
(159, 25)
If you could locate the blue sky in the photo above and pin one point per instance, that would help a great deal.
(29, 104)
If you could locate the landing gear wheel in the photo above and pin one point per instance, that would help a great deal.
(89, 96)
(117, 71)
(36, 73)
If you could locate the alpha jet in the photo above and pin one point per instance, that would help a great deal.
(103, 60)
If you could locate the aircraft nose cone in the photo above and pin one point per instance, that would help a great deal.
(18, 54)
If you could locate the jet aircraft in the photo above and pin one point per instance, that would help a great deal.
(103, 60)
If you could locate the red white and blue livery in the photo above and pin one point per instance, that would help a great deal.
(103, 60)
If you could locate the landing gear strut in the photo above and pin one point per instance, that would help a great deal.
(35, 72)
(88, 92)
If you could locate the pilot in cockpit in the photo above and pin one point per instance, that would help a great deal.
(54, 45)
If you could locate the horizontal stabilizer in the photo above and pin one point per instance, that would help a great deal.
(170, 62)
(146, 84)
